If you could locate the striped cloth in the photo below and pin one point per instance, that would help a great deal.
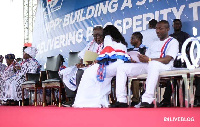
(109, 55)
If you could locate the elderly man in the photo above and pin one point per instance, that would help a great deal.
(159, 57)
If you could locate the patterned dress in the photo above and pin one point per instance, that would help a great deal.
(7, 73)
(11, 88)
(2, 68)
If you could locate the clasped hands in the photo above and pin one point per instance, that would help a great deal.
(81, 65)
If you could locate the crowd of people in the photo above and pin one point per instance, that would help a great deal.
(89, 85)
(13, 75)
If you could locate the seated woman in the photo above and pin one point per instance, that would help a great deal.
(9, 70)
(11, 88)
(2, 66)
(95, 85)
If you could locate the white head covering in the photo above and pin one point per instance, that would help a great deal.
(32, 51)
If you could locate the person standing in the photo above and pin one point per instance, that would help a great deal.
(149, 35)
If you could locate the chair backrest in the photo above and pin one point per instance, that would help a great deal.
(53, 63)
(33, 77)
(73, 58)
(43, 75)
(53, 75)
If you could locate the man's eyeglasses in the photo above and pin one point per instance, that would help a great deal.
(97, 35)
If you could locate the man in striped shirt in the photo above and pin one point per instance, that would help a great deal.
(158, 57)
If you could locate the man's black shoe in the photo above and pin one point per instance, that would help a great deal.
(164, 103)
(68, 104)
(146, 105)
(119, 105)
(133, 103)
(196, 102)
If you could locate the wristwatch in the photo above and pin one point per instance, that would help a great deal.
(149, 60)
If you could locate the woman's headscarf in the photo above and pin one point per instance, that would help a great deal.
(10, 56)
(32, 51)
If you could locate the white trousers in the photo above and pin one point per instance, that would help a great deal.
(152, 68)
(91, 92)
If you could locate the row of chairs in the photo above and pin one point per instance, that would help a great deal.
(183, 76)
(186, 76)
(48, 79)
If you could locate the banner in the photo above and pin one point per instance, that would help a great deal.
(64, 26)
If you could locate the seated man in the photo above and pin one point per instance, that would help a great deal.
(159, 57)
(181, 37)
(136, 41)
(72, 75)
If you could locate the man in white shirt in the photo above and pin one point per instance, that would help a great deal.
(149, 35)
(181, 38)
(159, 57)
(96, 44)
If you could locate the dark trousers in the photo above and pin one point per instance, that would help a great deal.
(79, 76)
(168, 92)
(197, 84)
